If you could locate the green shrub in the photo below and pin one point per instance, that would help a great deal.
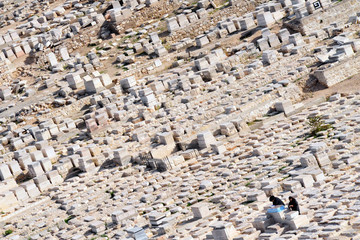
(8, 232)
(317, 124)
(69, 218)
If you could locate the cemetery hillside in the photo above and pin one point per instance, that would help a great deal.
(180, 120)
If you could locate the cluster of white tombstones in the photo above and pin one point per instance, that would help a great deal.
(193, 152)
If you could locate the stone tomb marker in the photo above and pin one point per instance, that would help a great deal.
(64, 53)
(52, 59)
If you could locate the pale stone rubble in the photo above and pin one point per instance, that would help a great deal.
(188, 152)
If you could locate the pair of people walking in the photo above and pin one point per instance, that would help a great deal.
(293, 204)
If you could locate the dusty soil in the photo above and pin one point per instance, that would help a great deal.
(346, 87)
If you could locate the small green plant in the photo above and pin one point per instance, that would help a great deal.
(68, 219)
(161, 29)
(286, 177)
(8, 232)
(167, 46)
(214, 11)
(317, 124)
(253, 122)
(135, 40)
(112, 193)
(296, 143)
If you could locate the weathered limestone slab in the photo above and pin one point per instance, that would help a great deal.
(338, 13)
(17, 50)
(182, 20)
(5, 172)
(306, 181)
(201, 41)
(31, 188)
(285, 106)
(35, 169)
(52, 59)
(172, 24)
(137, 233)
(105, 80)
(54, 177)
(49, 152)
(265, 19)
(205, 139)
(223, 231)
(154, 37)
(128, 82)
(20, 193)
(42, 182)
(74, 81)
(330, 75)
(122, 157)
(7, 201)
(64, 53)
(308, 160)
(284, 36)
(263, 44)
(14, 168)
(9, 54)
(269, 56)
(86, 165)
(93, 86)
(5, 93)
(97, 226)
(297, 222)
(200, 210)
(46, 164)
(247, 23)
(119, 216)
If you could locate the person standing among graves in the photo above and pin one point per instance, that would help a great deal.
(276, 201)
(293, 205)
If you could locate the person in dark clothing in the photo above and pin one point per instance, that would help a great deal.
(293, 205)
(276, 201)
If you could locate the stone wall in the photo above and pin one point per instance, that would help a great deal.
(332, 74)
(200, 26)
(339, 13)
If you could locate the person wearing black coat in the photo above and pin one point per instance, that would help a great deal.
(293, 205)
(276, 201)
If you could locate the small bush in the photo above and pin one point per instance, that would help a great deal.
(8, 232)
(317, 124)
(68, 219)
